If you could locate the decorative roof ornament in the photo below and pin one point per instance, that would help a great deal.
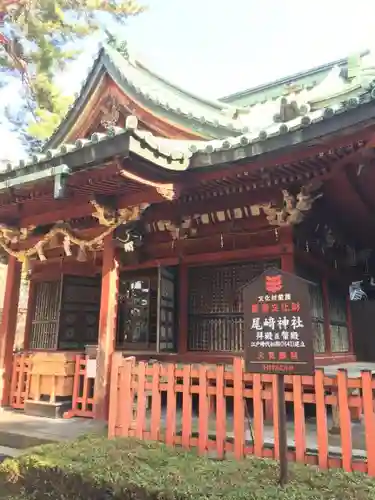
(366, 71)
(290, 109)
(111, 113)
(118, 43)
(334, 89)
(354, 66)
(292, 88)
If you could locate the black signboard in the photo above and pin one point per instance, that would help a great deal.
(278, 326)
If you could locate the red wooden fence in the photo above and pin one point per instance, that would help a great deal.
(20, 382)
(168, 387)
(83, 391)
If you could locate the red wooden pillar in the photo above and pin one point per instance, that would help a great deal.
(107, 329)
(8, 327)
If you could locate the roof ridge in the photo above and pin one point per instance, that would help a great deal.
(130, 56)
(156, 75)
(290, 78)
(216, 103)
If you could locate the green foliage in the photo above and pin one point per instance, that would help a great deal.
(96, 468)
(41, 34)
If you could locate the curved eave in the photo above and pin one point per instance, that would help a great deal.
(93, 80)
(103, 65)
(287, 136)
(102, 148)
(198, 125)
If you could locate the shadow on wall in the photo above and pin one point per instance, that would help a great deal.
(22, 306)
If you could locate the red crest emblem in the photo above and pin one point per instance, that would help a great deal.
(274, 283)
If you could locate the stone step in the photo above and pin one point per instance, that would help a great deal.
(6, 452)
(20, 441)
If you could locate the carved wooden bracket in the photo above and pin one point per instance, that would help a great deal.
(13, 234)
(167, 191)
(294, 208)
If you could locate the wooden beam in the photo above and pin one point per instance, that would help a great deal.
(214, 203)
(251, 253)
(150, 264)
(215, 243)
(8, 327)
(73, 209)
(54, 267)
(206, 258)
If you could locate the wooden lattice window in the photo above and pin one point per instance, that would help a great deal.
(66, 313)
(216, 320)
(80, 308)
(317, 309)
(338, 320)
(46, 313)
(317, 316)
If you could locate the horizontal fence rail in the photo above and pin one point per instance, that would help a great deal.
(220, 410)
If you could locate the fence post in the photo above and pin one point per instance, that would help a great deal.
(221, 428)
(369, 420)
(125, 395)
(155, 403)
(345, 420)
(239, 408)
(171, 405)
(203, 411)
(141, 400)
(299, 419)
(114, 394)
(258, 415)
(321, 419)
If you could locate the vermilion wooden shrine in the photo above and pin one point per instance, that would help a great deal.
(149, 208)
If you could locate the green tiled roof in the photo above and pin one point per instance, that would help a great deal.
(303, 80)
(210, 119)
(279, 102)
(337, 103)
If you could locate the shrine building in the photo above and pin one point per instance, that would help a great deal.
(150, 207)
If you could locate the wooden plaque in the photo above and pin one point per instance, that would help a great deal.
(278, 326)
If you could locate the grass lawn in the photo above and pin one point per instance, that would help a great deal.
(94, 468)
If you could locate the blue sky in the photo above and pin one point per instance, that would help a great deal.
(213, 48)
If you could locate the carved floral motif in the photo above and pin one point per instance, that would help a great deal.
(294, 208)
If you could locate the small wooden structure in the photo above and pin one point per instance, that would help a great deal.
(149, 208)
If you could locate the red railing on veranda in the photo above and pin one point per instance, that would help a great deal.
(20, 381)
(83, 390)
